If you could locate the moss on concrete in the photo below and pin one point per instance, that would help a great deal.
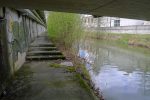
(55, 65)
(85, 72)
(79, 77)
(70, 69)
(59, 83)
(82, 82)
(67, 68)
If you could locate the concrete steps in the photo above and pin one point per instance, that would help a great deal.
(42, 48)
(54, 57)
(43, 51)
(43, 45)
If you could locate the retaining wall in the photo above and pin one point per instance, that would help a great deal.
(17, 31)
(140, 29)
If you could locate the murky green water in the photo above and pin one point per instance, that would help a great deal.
(120, 74)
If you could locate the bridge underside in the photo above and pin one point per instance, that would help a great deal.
(138, 9)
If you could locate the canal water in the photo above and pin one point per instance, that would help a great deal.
(119, 73)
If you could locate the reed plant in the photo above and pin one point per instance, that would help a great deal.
(64, 28)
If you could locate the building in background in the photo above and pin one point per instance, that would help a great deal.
(115, 25)
(90, 21)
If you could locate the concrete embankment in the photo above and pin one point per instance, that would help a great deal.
(43, 77)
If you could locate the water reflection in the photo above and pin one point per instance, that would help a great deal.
(120, 74)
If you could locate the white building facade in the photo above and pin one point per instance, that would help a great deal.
(90, 21)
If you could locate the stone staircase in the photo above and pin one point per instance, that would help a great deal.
(43, 49)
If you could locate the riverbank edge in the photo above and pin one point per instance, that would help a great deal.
(80, 69)
(135, 40)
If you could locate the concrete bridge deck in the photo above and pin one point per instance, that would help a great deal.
(136, 9)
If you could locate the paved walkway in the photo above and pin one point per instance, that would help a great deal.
(37, 80)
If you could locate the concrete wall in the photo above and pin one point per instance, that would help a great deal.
(130, 22)
(140, 29)
(17, 31)
(4, 60)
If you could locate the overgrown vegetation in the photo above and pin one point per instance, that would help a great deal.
(64, 28)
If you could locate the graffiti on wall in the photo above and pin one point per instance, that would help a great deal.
(21, 31)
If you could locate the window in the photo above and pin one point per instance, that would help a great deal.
(116, 23)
